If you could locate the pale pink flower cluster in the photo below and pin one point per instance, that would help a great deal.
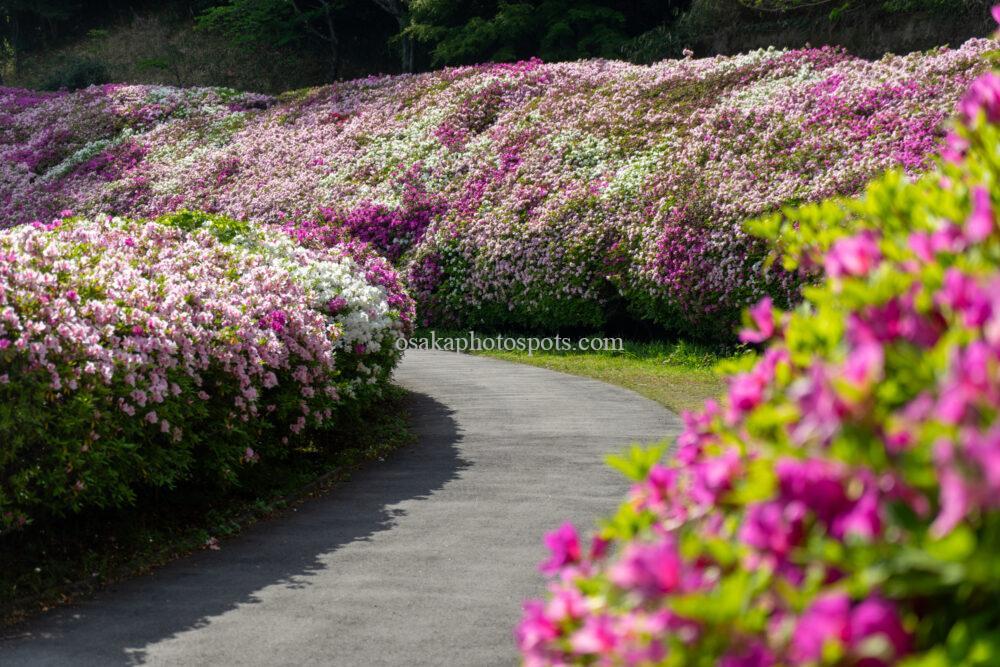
(129, 336)
(107, 301)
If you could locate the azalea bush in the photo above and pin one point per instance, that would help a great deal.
(514, 195)
(841, 505)
(140, 354)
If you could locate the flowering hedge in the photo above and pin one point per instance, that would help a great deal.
(139, 354)
(841, 506)
(513, 195)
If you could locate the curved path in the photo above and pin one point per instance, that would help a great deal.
(422, 560)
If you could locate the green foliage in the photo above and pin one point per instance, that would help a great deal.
(744, 24)
(79, 72)
(165, 48)
(636, 462)
(462, 33)
(92, 549)
(838, 7)
(221, 227)
(329, 25)
(253, 22)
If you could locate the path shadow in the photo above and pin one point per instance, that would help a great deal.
(117, 625)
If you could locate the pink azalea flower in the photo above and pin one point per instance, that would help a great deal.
(863, 519)
(955, 147)
(983, 96)
(982, 222)
(754, 655)
(864, 365)
(822, 408)
(564, 545)
(648, 569)
(596, 636)
(762, 316)
(984, 451)
(746, 391)
(565, 603)
(826, 620)
(773, 527)
(714, 476)
(535, 628)
(853, 256)
(817, 484)
(599, 548)
(957, 496)
(876, 617)
(660, 483)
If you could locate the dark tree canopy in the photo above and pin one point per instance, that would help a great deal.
(352, 37)
(456, 31)
(443, 31)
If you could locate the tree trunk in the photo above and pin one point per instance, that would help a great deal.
(329, 36)
(15, 44)
(406, 45)
(335, 61)
(334, 42)
(397, 9)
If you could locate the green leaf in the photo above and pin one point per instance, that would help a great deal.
(956, 546)
(637, 461)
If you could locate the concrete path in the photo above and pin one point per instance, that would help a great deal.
(422, 560)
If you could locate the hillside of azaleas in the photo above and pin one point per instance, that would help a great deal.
(527, 195)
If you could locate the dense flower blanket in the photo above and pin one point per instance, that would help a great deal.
(514, 195)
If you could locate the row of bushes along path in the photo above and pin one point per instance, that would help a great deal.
(421, 561)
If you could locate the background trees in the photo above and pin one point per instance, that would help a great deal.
(457, 32)
(273, 45)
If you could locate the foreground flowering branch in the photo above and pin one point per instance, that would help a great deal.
(540, 195)
(841, 506)
(141, 354)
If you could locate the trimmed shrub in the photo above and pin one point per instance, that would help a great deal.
(840, 506)
(141, 354)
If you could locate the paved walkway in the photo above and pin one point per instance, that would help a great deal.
(422, 560)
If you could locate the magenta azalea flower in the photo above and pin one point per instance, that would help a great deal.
(853, 256)
(762, 316)
(876, 618)
(826, 620)
(596, 636)
(564, 545)
(983, 97)
(983, 222)
(651, 569)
